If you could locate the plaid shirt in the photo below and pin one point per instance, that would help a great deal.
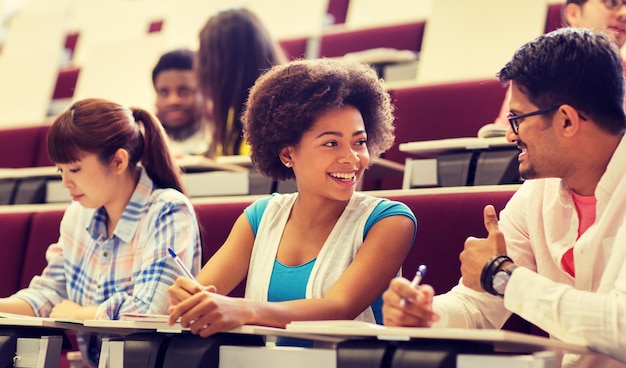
(131, 270)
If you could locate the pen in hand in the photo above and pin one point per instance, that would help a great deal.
(184, 269)
(421, 270)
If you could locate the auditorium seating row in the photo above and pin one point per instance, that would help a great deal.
(332, 43)
(422, 113)
(442, 229)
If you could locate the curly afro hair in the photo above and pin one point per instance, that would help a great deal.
(285, 102)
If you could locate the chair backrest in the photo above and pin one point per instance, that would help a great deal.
(405, 36)
(44, 230)
(554, 20)
(216, 221)
(294, 48)
(23, 146)
(14, 234)
(442, 228)
(447, 110)
(338, 9)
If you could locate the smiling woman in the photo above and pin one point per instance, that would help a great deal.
(307, 255)
(127, 210)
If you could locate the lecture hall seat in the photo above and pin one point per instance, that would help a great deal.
(14, 234)
(554, 20)
(405, 36)
(44, 230)
(439, 111)
(338, 9)
(19, 146)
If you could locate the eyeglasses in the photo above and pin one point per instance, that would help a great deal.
(613, 4)
(515, 124)
(513, 118)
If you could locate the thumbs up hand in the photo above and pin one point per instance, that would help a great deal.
(478, 251)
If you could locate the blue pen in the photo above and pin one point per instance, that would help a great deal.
(182, 267)
(421, 270)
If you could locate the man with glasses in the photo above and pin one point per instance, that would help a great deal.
(557, 257)
(607, 16)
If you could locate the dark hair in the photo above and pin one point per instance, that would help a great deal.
(235, 48)
(181, 59)
(285, 102)
(102, 127)
(572, 66)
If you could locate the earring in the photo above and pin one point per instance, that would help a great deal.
(287, 164)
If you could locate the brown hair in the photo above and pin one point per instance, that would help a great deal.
(235, 48)
(285, 102)
(102, 127)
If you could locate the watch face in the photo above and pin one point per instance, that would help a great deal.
(499, 282)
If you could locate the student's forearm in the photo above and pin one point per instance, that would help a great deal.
(16, 306)
(280, 314)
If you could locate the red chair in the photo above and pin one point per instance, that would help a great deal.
(66, 83)
(338, 9)
(554, 19)
(19, 146)
(294, 48)
(450, 110)
(44, 230)
(401, 37)
(216, 220)
(14, 229)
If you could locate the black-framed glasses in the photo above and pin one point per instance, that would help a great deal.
(613, 4)
(513, 118)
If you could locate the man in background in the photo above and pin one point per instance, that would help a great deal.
(179, 104)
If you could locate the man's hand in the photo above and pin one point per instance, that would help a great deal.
(478, 251)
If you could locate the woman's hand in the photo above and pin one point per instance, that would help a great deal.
(182, 289)
(206, 313)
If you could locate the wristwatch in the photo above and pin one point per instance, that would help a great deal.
(501, 279)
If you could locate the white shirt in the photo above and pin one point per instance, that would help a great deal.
(540, 224)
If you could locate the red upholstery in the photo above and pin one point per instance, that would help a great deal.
(66, 83)
(449, 110)
(338, 9)
(70, 41)
(41, 158)
(216, 220)
(294, 48)
(442, 229)
(155, 26)
(19, 147)
(14, 230)
(44, 230)
(401, 37)
(554, 20)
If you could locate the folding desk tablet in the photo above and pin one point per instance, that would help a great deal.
(461, 162)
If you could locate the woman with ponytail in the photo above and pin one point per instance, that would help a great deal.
(127, 208)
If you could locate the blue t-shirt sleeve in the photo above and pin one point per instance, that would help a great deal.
(386, 208)
(254, 212)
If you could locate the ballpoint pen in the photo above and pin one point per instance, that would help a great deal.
(421, 270)
(182, 267)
